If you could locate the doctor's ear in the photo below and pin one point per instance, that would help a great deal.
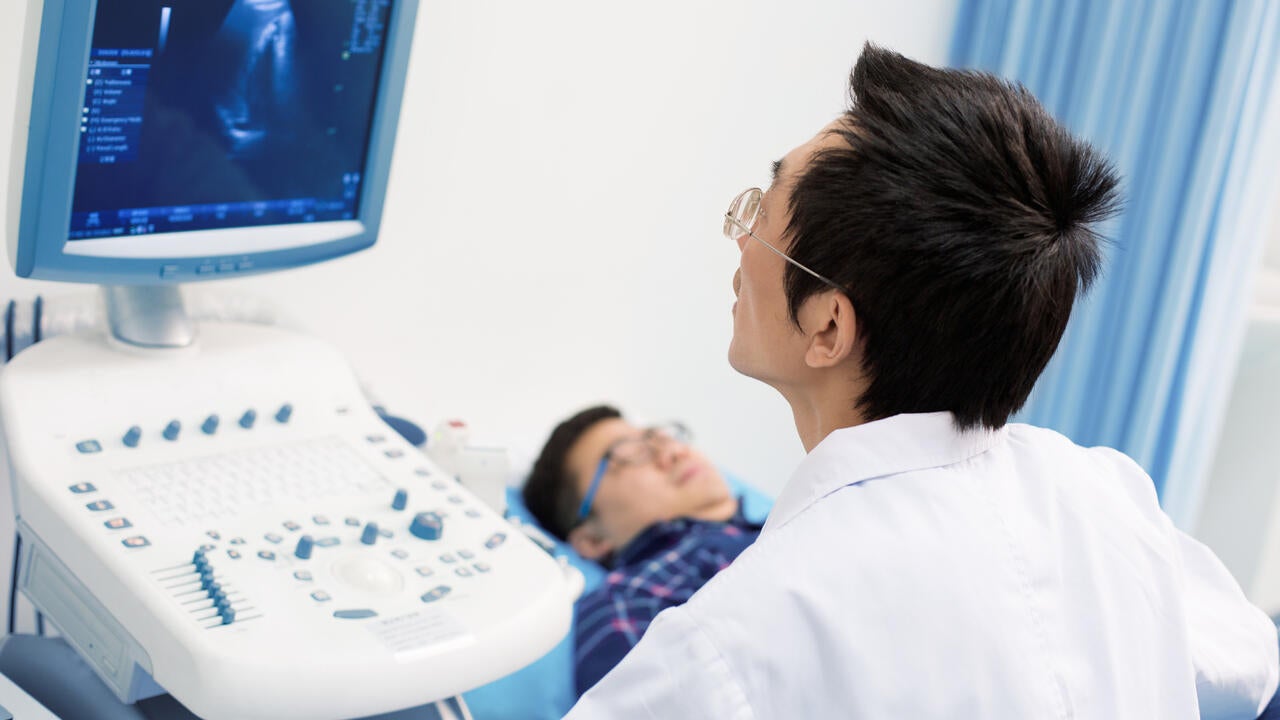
(589, 541)
(831, 327)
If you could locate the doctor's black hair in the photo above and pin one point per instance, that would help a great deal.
(957, 215)
(550, 493)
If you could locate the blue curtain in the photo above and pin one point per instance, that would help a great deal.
(1182, 95)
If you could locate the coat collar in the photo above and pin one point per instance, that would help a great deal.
(891, 446)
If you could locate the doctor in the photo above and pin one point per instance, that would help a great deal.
(903, 283)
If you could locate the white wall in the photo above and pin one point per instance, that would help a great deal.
(552, 234)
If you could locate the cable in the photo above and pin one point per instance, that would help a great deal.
(13, 584)
(36, 331)
(39, 623)
(8, 332)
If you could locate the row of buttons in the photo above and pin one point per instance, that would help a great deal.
(168, 271)
(117, 523)
(173, 429)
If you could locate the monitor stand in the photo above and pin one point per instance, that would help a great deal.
(148, 316)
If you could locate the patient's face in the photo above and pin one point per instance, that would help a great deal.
(680, 482)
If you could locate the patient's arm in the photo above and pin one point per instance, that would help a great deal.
(607, 624)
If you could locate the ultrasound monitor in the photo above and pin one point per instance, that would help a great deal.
(169, 141)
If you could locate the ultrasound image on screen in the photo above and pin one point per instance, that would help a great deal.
(205, 114)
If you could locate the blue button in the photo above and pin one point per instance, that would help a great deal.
(466, 554)
(421, 472)
(482, 567)
(303, 575)
(172, 429)
(376, 438)
(360, 614)
(352, 522)
(118, 523)
(284, 413)
(233, 553)
(447, 558)
(400, 500)
(136, 541)
(436, 593)
(424, 571)
(237, 541)
(369, 535)
(456, 499)
(248, 418)
(291, 526)
(100, 505)
(463, 571)
(213, 534)
(394, 453)
(266, 555)
(320, 519)
(495, 540)
(82, 488)
(210, 425)
(427, 526)
(89, 447)
(400, 553)
(303, 550)
(132, 436)
(327, 541)
(228, 616)
(320, 596)
(273, 538)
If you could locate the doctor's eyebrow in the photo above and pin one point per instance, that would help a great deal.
(777, 170)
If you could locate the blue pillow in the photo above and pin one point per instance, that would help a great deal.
(544, 689)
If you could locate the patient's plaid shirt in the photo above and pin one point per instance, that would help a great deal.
(661, 568)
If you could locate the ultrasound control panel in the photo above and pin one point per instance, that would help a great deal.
(235, 526)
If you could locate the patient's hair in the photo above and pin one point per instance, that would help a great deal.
(550, 493)
(958, 217)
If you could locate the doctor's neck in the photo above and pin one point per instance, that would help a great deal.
(824, 405)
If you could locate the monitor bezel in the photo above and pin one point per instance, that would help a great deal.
(45, 187)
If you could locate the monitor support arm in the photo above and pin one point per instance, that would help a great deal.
(149, 316)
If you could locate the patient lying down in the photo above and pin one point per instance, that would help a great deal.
(650, 508)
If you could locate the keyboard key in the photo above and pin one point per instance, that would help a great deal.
(118, 523)
(100, 505)
(82, 488)
(137, 541)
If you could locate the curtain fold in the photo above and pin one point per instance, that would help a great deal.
(1182, 95)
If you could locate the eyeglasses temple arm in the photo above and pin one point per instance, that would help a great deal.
(585, 507)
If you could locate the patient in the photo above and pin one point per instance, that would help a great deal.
(646, 505)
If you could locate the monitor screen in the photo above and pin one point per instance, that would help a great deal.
(169, 141)
(215, 114)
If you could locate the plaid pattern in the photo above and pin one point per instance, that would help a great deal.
(663, 567)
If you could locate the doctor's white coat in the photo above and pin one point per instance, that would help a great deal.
(911, 571)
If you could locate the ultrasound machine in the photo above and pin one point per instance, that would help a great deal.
(212, 510)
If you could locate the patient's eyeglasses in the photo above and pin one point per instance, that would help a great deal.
(633, 451)
(741, 217)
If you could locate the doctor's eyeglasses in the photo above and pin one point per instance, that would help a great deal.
(633, 451)
(740, 219)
